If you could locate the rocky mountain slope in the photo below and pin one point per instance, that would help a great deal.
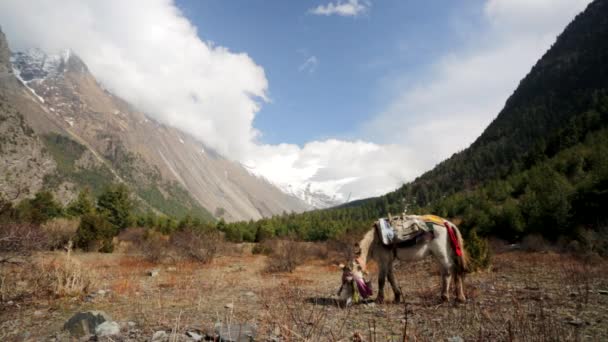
(87, 136)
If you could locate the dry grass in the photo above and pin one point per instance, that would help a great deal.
(527, 297)
(60, 231)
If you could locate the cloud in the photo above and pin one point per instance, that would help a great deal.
(349, 8)
(462, 92)
(147, 52)
(310, 65)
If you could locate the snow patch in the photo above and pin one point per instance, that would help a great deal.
(181, 140)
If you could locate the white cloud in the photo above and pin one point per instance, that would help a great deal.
(464, 90)
(309, 65)
(148, 53)
(349, 8)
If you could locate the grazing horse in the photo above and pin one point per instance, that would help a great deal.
(445, 244)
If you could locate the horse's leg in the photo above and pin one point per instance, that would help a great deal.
(394, 285)
(446, 277)
(458, 280)
(381, 281)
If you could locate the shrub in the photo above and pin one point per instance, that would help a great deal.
(39, 209)
(22, 238)
(60, 231)
(535, 243)
(155, 246)
(95, 233)
(286, 256)
(263, 248)
(480, 256)
(197, 245)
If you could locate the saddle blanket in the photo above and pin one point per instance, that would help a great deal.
(405, 228)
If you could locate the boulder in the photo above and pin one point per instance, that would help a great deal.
(107, 328)
(236, 332)
(160, 336)
(85, 323)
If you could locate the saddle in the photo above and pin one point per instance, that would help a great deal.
(406, 230)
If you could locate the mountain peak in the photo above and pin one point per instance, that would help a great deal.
(36, 64)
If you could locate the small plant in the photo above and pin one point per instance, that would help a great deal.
(196, 245)
(479, 252)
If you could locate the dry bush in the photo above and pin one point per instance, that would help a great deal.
(535, 243)
(61, 277)
(263, 248)
(286, 256)
(60, 231)
(21, 238)
(154, 246)
(196, 245)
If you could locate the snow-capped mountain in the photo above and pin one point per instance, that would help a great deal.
(96, 137)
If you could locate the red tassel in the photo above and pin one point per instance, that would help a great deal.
(453, 238)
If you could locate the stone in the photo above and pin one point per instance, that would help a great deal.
(577, 322)
(194, 336)
(38, 313)
(603, 292)
(131, 324)
(229, 306)
(160, 336)
(171, 268)
(85, 323)
(107, 328)
(102, 292)
(249, 294)
(153, 273)
(455, 339)
(236, 332)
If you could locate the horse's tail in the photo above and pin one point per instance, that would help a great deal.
(462, 260)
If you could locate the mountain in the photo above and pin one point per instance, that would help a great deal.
(76, 133)
(541, 167)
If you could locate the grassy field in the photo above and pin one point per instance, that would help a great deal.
(525, 297)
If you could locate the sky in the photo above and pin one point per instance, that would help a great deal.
(354, 97)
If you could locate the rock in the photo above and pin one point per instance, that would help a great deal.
(107, 328)
(236, 332)
(603, 292)
(38, 313)
(229, 306)
(194, 336)
(455, 339)
(85, 323)
(160, 336)
(171, 269)
(153, 273)
(102, 292)
(10, 302)
(131, 324)
(249, 294)
(577, 322)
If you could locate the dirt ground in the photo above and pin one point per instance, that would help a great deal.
(525, 297)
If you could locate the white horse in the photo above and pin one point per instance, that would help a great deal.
(438, 244)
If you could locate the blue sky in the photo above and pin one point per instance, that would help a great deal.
(354, 55)
(350, 97)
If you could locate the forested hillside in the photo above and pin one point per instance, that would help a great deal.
(540, 167)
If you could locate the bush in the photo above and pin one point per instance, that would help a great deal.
(115, 203)
(286, 256)
(535, 243)
(155, 246)
(263, 248)
(95, 233)
(39, 209)
(60, 231)
(22, 238)
(196, 245)
(480, 256)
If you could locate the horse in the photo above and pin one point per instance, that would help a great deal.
(447, 247)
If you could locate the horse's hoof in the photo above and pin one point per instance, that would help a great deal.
(397, 299)
(461, 299)
(379, 300)
(445, 298)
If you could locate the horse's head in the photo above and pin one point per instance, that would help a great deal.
(352, 280)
